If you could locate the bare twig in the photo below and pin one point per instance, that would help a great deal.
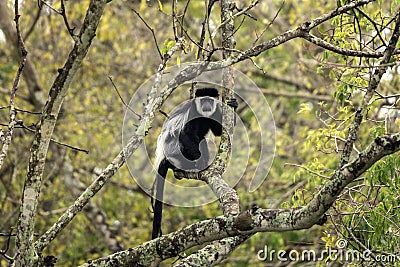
(35, 21)
(377, 31)
(20, 125)
(120, 96)
(183, 17)
(307, 169)
(69, 146)
(62, 12)
(12, 122)
(151, 29)
(21, 110)
(42, 2)
(375, 78)
(164, 113)
(284, 80)
(3, 252)
(234, 16)
(174, 19)
(205, 24)
(270, 23)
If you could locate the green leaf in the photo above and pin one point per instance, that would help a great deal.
(305, 108)
(160, 6)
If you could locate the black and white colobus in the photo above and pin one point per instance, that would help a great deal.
(182, 145)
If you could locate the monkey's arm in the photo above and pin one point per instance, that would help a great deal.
(216, 126)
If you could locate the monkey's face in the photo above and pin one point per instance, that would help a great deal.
(206, 106)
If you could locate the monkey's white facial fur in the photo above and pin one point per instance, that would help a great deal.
(206, 106)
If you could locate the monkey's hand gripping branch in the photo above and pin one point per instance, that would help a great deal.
(228, 197)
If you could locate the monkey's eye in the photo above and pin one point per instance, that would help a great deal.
(206, 100)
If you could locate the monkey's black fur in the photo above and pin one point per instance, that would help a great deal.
(182, 145)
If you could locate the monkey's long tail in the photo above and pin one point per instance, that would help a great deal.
(158, 205)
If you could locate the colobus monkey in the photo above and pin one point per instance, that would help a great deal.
(182, 145)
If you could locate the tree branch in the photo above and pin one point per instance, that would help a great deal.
(233, 17)
(214, 253)
(151, 30)
(298, 32)
(255, 219)
(375, 79)
(12, 122)
(152, 105)
(26, 254)
(342, 51)
(30, 75)
(228, 197)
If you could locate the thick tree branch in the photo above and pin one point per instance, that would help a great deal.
(227, 196)
(150, 109)
(255, 219)
(213, 175)
(12, 122)
(214, 253)
(26, 254)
